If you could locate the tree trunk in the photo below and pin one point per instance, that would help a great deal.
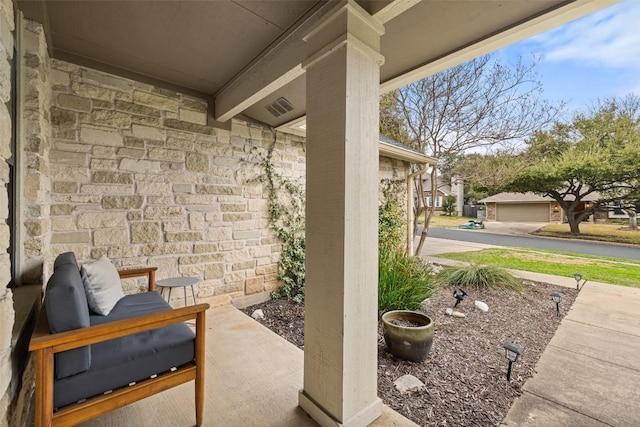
(428, 212)
(633, 219)
(574, 221)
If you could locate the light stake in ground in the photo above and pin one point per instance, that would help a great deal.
(557, 298)
(578, 277)
(459, 296)
(511, 351)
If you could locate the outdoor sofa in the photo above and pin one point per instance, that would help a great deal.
(88, 363)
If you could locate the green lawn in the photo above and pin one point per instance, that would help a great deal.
(603, 232)
(608, 270)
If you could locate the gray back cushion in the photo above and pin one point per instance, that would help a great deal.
(67, 309)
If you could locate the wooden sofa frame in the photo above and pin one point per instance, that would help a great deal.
(45, 345)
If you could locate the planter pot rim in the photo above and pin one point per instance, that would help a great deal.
(386, 317)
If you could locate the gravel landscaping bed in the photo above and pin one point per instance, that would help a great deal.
(465, 373)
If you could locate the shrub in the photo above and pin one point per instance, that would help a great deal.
(403, 281)
(476, 276)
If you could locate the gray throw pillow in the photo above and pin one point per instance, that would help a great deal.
(102, 285)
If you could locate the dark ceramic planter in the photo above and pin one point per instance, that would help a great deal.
(411, 343)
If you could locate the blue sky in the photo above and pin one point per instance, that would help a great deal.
(597, 56)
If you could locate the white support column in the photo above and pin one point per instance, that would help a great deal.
(340, 358)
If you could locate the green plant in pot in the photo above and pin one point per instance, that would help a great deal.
(404, 281)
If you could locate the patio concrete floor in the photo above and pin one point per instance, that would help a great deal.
(253, 379)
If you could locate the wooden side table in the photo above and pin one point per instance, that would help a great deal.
(178, 282)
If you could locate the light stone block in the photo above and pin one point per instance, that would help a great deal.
(63, 224)
(214, 271)
(197, 162)
(186, 236)
(145, 232)
(105, 189)
(231, 245)
(145, 166)
(215, 234)
(174, 226)
(254, 285)
(244, 265)
(198, 117)
(126, 251)
(153, 188)
(93, 220)
(192, 199)
(67, 158)
(246, 234)
(147, 132)
(59, 77)
(90, 91)
(112, 236)
(122, 202)
(111, 118)
(168, 155)
(200, 248)
(103, 79)
(95, 135)
(105, 177)
(163, 212)
(72, 147)
(65, 187)
(155, 101)
(165, 249)
(71, 237)
(73, 102)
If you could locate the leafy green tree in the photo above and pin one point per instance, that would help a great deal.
(597, 154)
(449, 204)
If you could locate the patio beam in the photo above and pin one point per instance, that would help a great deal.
(277, 66)
(340, 357)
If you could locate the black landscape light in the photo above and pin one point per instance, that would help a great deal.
(459, 296)
(578, 277)
(511, 351)
(557, 298)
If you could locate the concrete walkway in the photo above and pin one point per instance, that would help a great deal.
(589, 374)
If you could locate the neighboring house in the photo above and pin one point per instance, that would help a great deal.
(529, 207)
(521, 207)
(442, 190)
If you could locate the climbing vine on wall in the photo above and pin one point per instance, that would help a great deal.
(286, 204)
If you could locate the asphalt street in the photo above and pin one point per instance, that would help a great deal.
(573, 246)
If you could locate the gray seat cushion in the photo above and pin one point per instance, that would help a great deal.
(118, 362)
(67, 309)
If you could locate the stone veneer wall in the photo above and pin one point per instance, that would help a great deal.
(35, 146)
(137, 175)
(6, 300)
(396, 170)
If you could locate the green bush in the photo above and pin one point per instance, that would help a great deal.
(403, 281)
(476, 276)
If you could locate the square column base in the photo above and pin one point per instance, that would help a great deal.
(362, 419)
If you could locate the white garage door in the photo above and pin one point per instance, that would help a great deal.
(523, 212)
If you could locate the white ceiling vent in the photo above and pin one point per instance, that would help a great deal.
(279, 107)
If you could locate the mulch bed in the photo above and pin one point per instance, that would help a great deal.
(465, 373)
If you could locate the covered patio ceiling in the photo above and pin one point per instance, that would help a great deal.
(247, 55)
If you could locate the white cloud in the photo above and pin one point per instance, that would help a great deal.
(609, 38)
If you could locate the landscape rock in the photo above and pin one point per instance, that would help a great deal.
(458, 314)
(258, 314)
(448, 311)
(482, 306)
(408, 384)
